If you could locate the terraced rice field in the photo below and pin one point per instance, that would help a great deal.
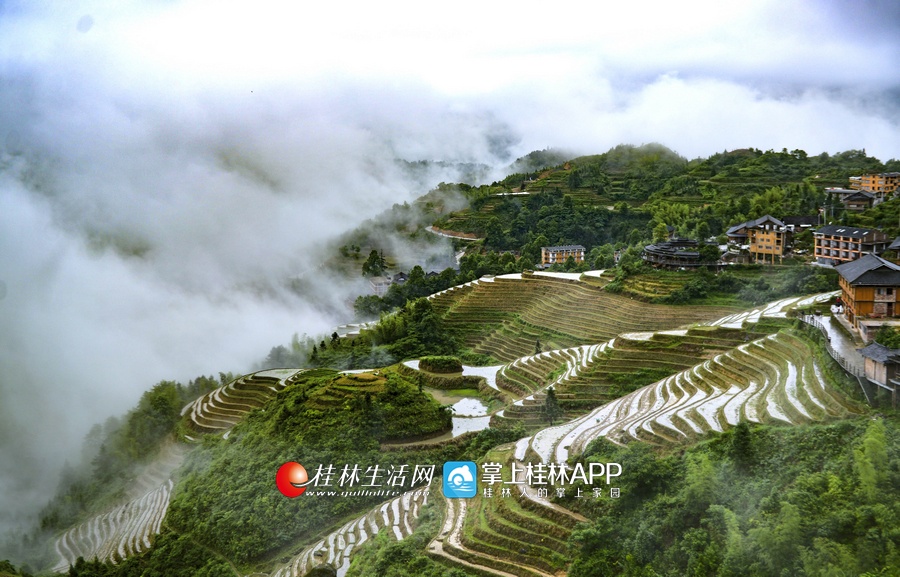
(519, 535)
(530, 376)
(772, 379)
(719, 374)
(119, 533)
(221, 409)
(504, 316)
(398, 516)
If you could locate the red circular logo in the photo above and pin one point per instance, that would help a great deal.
(290, 479)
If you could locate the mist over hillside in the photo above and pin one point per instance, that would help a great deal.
(164, 168)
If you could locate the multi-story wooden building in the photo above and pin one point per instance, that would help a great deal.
(551, 255)
(839, 243)
(869, 288)
(766, 237)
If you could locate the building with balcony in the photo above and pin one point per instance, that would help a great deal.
(551, 255)
(880, 185)
(869, 288)
(838, 243)
(765, 237)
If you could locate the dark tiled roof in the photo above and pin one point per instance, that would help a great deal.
(845, 230)
(870, 270)
(880, 353)
(754, 223)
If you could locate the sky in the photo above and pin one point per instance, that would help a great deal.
(165, 165)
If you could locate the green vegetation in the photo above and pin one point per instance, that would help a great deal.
(889, 337)
(389, 558)
(735, 286)
(437, 364)
(375, 264)
(806, 500)
(7, 570)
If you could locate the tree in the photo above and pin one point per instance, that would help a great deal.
(702, 230)
(660, 232)
(551, 410)
(709, 253)
(888, 336)
(374, 265)
(537, 347)
(495, 237)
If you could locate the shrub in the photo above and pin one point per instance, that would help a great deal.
(440, 364)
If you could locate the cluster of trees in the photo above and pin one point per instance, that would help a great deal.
(413, 330)
(755, 501)
(418, 284)
(440, 364)
(524, 224)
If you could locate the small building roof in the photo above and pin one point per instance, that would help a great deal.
(563, 247)
(811, 220)
(870, 270)
(895, 245)
(880, 353)
(859, 195)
